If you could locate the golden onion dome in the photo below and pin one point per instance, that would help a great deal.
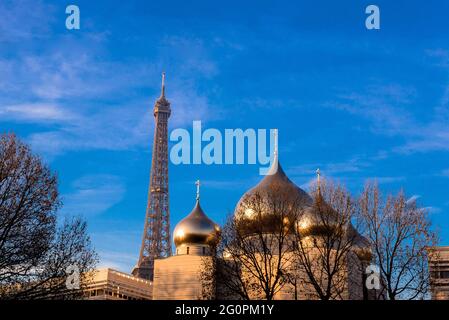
(275, 186)
(196, 228)
(321, 218)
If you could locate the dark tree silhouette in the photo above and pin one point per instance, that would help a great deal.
(253, 255)
(328, 247)
(35, 252)
(402, 239)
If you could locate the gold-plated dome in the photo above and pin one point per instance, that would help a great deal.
(274, 190)
(321, 218)
(196, 228)
(279, 182)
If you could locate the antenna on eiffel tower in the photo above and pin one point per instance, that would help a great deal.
(163, 85)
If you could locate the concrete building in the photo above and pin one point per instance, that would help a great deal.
(439, 272)
(109, 284)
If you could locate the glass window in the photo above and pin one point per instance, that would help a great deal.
(444, 274)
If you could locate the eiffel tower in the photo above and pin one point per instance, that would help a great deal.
(156, 235)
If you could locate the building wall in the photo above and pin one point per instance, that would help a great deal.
(350, 280)
(179, 277)
(439, 272)
(109, 284)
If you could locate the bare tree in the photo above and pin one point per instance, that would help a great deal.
(328, 246)
(400, 234)
(253, 255)
(208, 275)
(34, 251)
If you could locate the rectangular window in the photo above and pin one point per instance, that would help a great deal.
(188, 249)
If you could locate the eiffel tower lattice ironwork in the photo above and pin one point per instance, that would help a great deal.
(156, 235)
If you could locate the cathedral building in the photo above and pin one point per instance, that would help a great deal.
(196, 236)
(277, 192)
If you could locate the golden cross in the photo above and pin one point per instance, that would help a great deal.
(197, 183)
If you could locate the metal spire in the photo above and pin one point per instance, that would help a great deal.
(197, 183)
(275, 164)
(163, 85)
(275, 143)
(318, 179)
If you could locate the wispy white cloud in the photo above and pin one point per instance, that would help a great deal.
(93, 194)
(193, 52)
(74, 90)
(118, 248)
(441, 56)
(36, 112)
(309, 185)
(387, 110)
(384, 106)
(445, 172)
(352, 165)
(354, 183)
(229, 184)
(24, 19)
(413, 198)
(188, 105)
(432, 210)
(352, 172)
(115, 128)
(385, 179)
(118, 260)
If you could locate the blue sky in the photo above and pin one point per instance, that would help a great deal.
(358, 104)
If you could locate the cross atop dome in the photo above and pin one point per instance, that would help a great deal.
(318, 180)
(275, 163)
(275, 142)
(197, 183)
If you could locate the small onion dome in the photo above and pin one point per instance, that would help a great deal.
(196, 228)
(254, 211)
(326, 221)
(318, 219)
